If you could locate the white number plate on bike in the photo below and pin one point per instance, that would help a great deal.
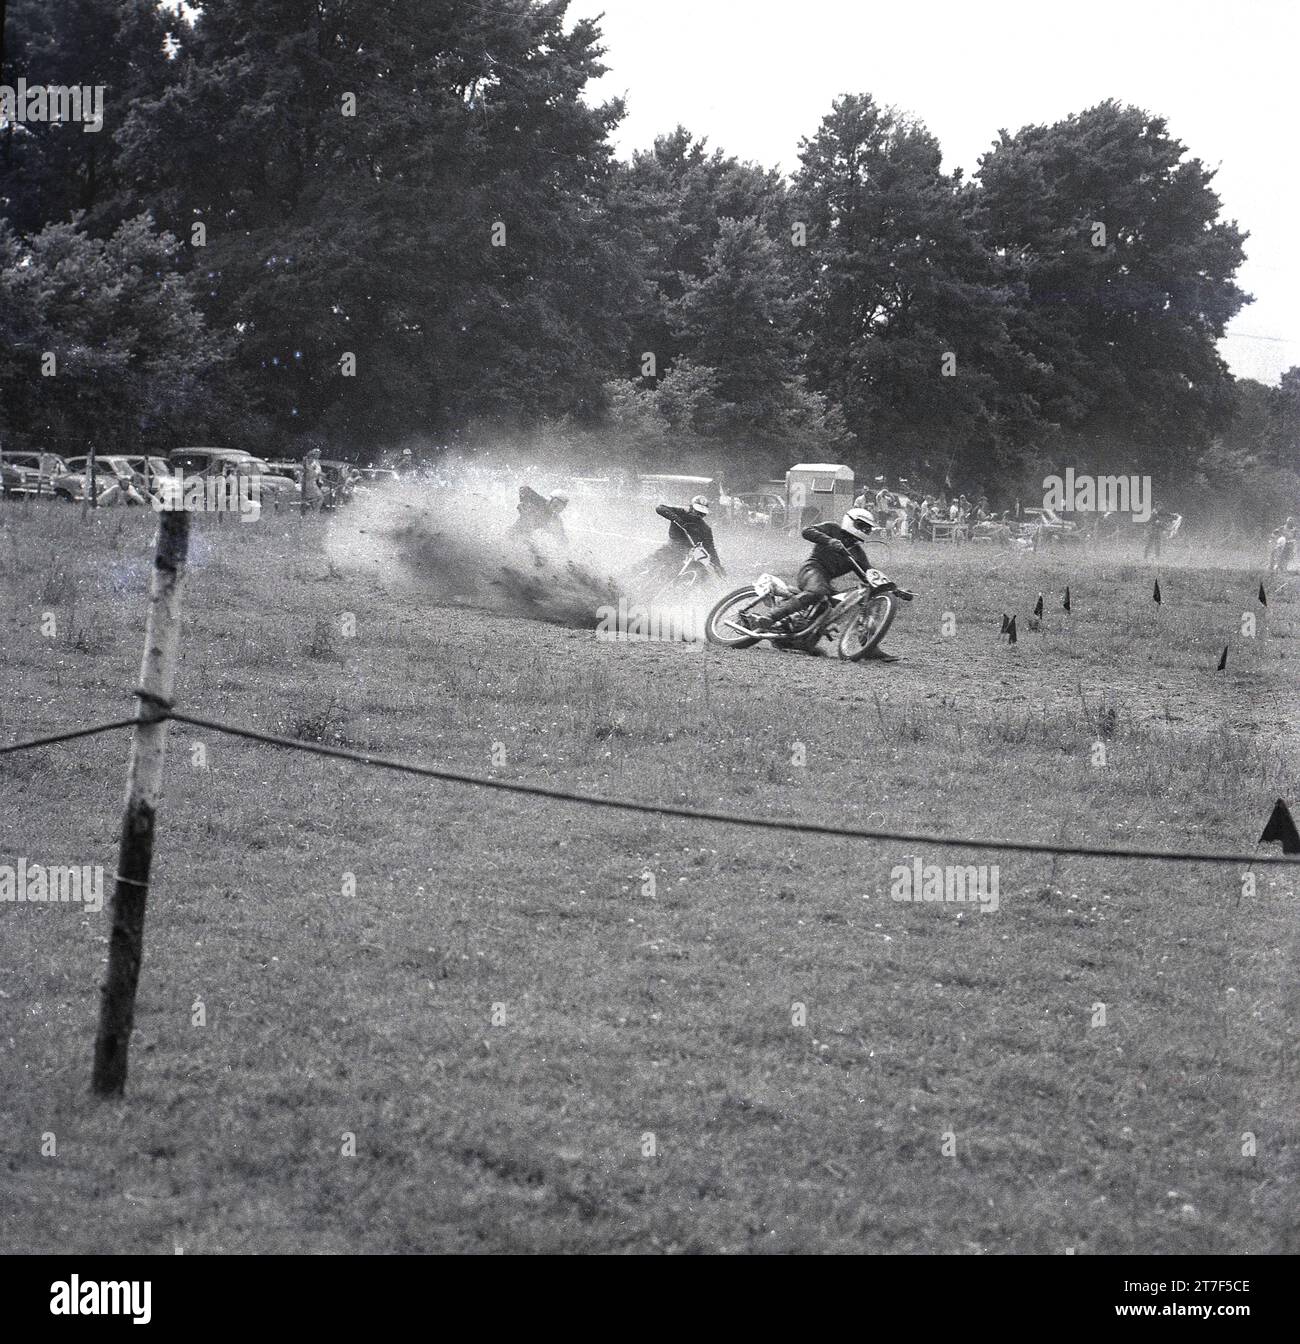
(875, 578)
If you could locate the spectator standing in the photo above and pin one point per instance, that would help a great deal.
(313, 495)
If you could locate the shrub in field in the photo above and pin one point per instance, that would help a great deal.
(92, 639)
(321, 644)
(324, 725)
(58, 587)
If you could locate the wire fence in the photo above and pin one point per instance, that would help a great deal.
(154, 710)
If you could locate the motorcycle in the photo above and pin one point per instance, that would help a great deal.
(862, 615)
(697, 570)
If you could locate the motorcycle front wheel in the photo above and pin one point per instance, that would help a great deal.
(682, 584)
(867, 626)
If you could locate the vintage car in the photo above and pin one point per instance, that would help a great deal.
(277, 491)
(30, 475)
(150, 471)
(116, 481)
(1046, 527)
(377, 475)
(760, 508)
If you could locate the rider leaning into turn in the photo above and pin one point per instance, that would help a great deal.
(837, 549)
(537, 514)
(686, 528)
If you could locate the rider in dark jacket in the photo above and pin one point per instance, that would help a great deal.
(537, 514)
(837, 551)
(686, 528)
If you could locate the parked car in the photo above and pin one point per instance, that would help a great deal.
(759, 508)
(276, 490)
(116, 482)
(1047, 527)
(150, 472)
(377, 475)
(29, 475)
(337, 477)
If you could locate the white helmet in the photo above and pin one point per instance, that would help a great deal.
(699, 504)
(559, 498)
(859, 523)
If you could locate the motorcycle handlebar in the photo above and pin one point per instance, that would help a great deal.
(857, 568)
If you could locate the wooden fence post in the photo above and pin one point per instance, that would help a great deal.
(143, 787)
(88, 500)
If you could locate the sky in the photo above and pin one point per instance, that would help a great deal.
(754, 76)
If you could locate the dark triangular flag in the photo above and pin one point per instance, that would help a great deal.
(1223, 658)
(1281, 828)
(1011, 631)
(1155, 596)
(1006, 624)
(1066, 604)
(1038, 606)
(1263, 596)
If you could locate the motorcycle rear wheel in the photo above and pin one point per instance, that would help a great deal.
(730, 608)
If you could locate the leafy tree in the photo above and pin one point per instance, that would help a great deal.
(132, 359)
(1248, 477)
(49, 170)
(427, 191)
(1282, 442)
(740, 320)
(907, 310)
(672, 200)
(660, 427)
(1128, 272)
(373, 233)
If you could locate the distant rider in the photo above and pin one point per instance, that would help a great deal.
(837, 548)
(534, 513)
(686, 528)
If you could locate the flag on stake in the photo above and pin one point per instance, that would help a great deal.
(1263, 596)
(1281, 828)
(1155, 596)
(1223, 658)
(1038, 606)
(1065, 606)
(1006, 624)
(1011, 631)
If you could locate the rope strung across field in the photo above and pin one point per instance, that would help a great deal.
(158, 709)
(66, 737)
(727, 818)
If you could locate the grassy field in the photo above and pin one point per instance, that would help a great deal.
(557, 1028)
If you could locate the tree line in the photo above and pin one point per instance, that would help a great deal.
(313, 222)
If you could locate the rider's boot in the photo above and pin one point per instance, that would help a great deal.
(782, 612)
